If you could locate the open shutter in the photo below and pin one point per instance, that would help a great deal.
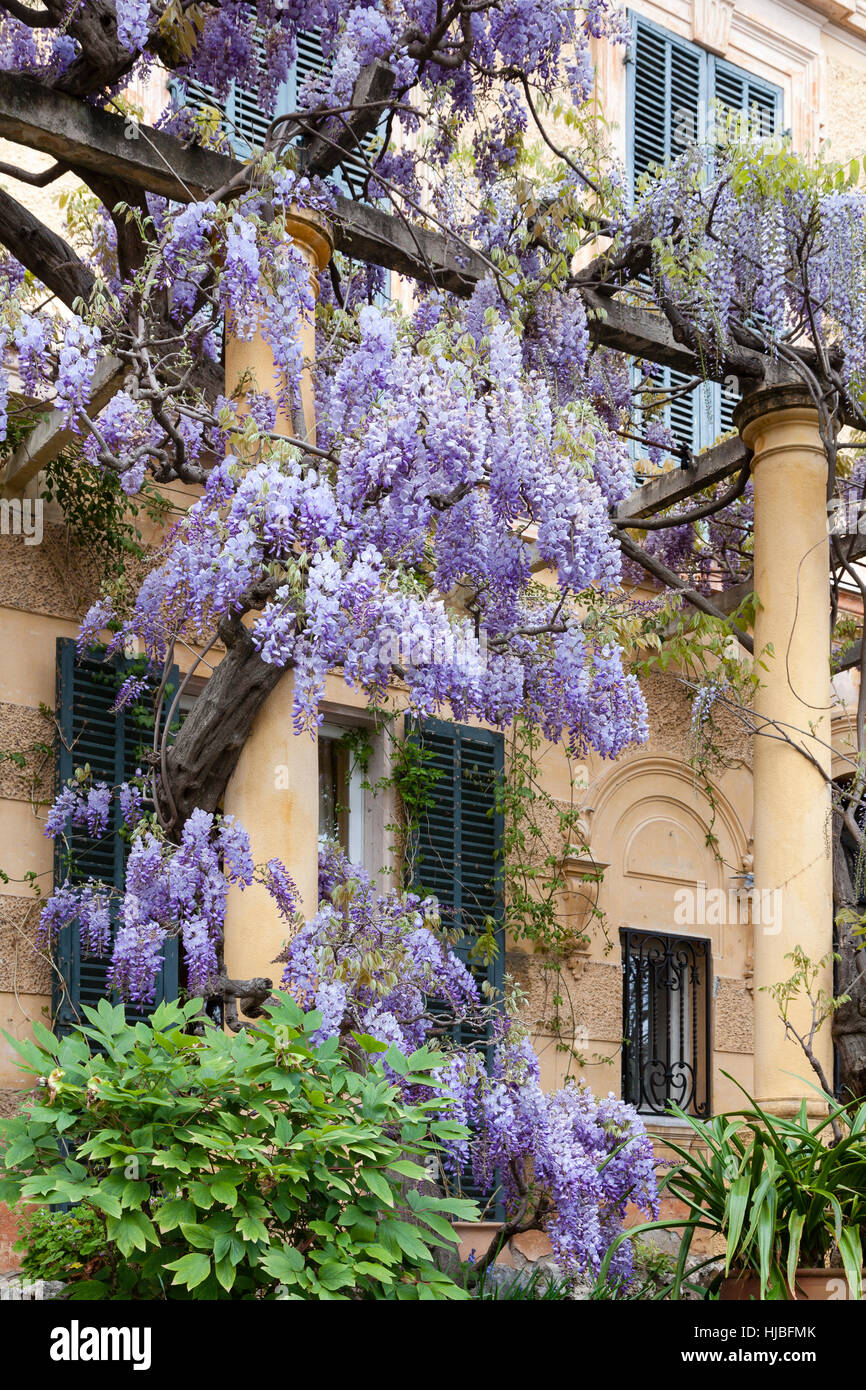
(736, 90)
(112, 744)
(458, 857)
(665, 87)
(246, 124)
(458, 841)
(665, 114)
(671, 84)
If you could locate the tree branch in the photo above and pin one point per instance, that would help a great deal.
(50, 258)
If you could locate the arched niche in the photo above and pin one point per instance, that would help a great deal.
(650, 822)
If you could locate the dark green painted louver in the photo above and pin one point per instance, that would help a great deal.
(672, 85)
(458, 841)
(457, 855)
(112, 744)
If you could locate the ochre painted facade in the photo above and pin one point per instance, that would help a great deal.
(645, 817)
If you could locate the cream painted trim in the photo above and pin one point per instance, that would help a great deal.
(778, 41)
(655, 765)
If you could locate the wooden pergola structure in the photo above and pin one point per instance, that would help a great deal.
(779, 441)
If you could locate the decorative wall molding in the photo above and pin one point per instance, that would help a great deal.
(711, 24)
(775, 40)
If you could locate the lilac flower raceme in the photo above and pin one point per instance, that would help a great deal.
(371, 963)
(170, 889)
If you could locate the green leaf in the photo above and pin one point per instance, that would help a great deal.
(132, 1231)
(852, 1258)
(370, 1044)
(225, 1273)
(378, 1185)
(173, 1212)
(796, 1221)
(224, 1192)
(190, 1270)
(284, 1263)
(396, 1061)
(18, 1150)
(251, 1229)
(738, 1202)
(408, 1169)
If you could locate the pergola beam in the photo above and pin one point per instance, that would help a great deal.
(52, 435)
(713, 466)
(851, 656)
(85, 137)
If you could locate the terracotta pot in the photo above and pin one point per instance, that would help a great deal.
(478, 1236)
(811, 1285)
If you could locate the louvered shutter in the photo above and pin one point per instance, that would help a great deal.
(665, 87)
(457, 856)
(671, 84)
(246, 125)
(666, 84)
(243, 120)
(738, 91)
(112, 744)
(459, 839)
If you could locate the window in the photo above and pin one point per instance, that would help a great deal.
(246, 124)
(457, 856)
(459, 839)
(666, 1022)
(674, 88)
(341, 793)
(113, 745)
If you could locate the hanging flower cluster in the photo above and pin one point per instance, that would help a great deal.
(371, 962)
(170, 890)
(432, 466)
(375, 964)
(574, 1159)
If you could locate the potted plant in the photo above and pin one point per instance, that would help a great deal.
(785, 1196)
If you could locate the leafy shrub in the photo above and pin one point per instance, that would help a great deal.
(61, 1244)
(781, 1192)
(537, 1287)
(258, 1165)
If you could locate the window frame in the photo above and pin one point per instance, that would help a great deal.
(700, 1005)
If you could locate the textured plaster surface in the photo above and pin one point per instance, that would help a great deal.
(22, 965)
(55, 577)
(22, 730)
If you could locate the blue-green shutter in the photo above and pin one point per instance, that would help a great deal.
(88, 732)
(671, 85)
(666, 97)
(737, 90)
(458, 856)
(246, 124)
(666, 101)
(244, 121)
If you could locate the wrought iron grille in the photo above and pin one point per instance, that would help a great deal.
(666, 1005)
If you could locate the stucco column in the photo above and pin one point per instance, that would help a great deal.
(274, 788)
(793, 905)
